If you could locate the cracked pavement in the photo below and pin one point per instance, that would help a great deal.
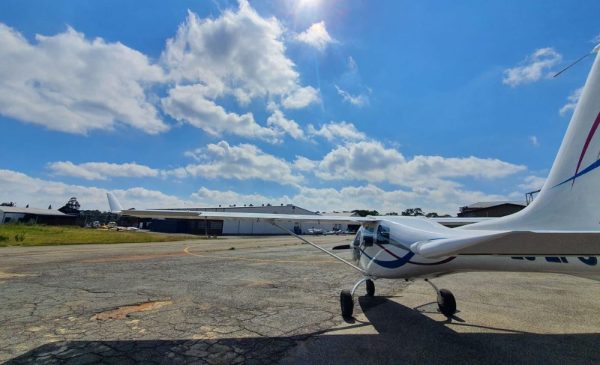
(217, 305)
(262, 300)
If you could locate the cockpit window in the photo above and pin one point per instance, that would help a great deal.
(357, 239)
(383, 235)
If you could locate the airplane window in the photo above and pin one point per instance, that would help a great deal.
(357, 238)
(383, 235)
(368, 236)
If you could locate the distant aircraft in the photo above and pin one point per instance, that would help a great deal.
(559, 232)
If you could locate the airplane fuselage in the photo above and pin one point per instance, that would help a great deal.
(383, 251)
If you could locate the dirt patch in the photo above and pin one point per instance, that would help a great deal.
(122, 312)
(11, 275)
(134, 257)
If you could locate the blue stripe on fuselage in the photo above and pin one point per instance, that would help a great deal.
(591, 167)
(391, 264)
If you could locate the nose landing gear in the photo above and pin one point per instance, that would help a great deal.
(347, 296)
(445, 300)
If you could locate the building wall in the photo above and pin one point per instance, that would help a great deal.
(246, 226)
(495, 211)
(250, 227)
(191, 226)
(11, 217)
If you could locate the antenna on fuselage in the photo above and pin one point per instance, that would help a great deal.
(578, 60)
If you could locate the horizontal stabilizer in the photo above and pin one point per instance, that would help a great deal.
(513, 243)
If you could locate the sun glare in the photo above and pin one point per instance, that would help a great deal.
(302, 4)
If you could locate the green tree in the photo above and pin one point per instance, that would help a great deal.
(364, 212)
(413, 212)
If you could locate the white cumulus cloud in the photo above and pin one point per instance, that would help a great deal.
(532, 182)
(371, 161)
(572, 101)
(71, 84)
(335, 131)
(533, 68)
(288, 126)
(316, 36)
(238, 53)
(101, 170)
(189, 104)
(39, 193)
(228, 197)
(241, 162)
(443, 198)
(300, 97)
(357, 100)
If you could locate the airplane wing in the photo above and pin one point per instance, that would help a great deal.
(513, 243)
(193, 214)
(115, 207)
(460, 221)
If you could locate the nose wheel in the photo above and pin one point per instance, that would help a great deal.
(445, 301)
(347, 296)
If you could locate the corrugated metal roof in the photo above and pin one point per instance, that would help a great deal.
(482, 205)
(342, 214)
(31, 211)
(275, 209)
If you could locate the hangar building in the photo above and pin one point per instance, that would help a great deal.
(33, 215)
(242, 226)
(491, 209)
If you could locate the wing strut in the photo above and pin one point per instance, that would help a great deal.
(319, 248)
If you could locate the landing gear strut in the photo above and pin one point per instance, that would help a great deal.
(445, 300)
(347, 296)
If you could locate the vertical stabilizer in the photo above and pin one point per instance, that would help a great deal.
(113, 203)
(570, 198)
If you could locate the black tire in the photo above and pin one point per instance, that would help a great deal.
(370, 288)
(446, 302)
(346, 303)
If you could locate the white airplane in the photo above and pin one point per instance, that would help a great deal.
(559, 232)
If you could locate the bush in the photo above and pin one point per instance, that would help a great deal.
(20, 237)
(3, 238)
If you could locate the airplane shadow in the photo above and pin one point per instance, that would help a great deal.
(404, 335)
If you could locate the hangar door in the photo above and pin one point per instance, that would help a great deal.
(190, 226)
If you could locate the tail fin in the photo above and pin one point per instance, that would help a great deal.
(570, 198)
(113, 203)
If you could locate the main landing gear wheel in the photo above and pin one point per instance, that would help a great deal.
(347, 303)
(370, 288)
(446, 302)
(346, 296)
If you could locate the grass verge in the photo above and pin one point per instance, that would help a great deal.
(40, 235)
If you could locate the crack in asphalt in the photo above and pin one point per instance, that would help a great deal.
(214, 316)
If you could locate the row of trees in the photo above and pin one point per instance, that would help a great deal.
(411, 212)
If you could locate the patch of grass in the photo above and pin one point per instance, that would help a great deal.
(41, 235)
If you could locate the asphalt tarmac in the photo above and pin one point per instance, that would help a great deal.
(267, 300)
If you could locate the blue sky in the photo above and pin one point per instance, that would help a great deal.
(329, 105)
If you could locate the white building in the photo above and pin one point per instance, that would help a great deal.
(244, 226)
